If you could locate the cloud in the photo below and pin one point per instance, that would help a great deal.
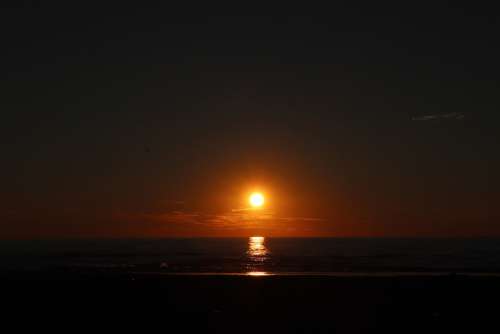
(448, 116)
(235, 219)
(306, 219)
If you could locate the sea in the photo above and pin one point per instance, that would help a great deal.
(254, 256)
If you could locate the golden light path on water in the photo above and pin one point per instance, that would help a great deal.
(257, 273)
(257, 255)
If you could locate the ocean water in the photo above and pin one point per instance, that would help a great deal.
(254, 256)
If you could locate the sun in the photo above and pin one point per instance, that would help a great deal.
(256, 200)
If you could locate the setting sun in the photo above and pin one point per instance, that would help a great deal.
(256, 200)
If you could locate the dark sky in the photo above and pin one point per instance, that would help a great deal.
(156, 121)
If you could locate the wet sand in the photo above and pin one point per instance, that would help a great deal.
(242, 304)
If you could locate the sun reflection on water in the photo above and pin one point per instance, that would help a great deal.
(257, 254)
(257, 273)
(256, 247)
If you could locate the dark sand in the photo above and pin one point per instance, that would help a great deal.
(239, 304)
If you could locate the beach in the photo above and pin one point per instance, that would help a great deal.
(255, 285)
(249, 304)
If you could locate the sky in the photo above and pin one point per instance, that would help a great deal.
(159, 121)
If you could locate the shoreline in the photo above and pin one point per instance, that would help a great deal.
(323, 274)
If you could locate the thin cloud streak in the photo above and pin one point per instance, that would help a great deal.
(449, 116)
(241, 219)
